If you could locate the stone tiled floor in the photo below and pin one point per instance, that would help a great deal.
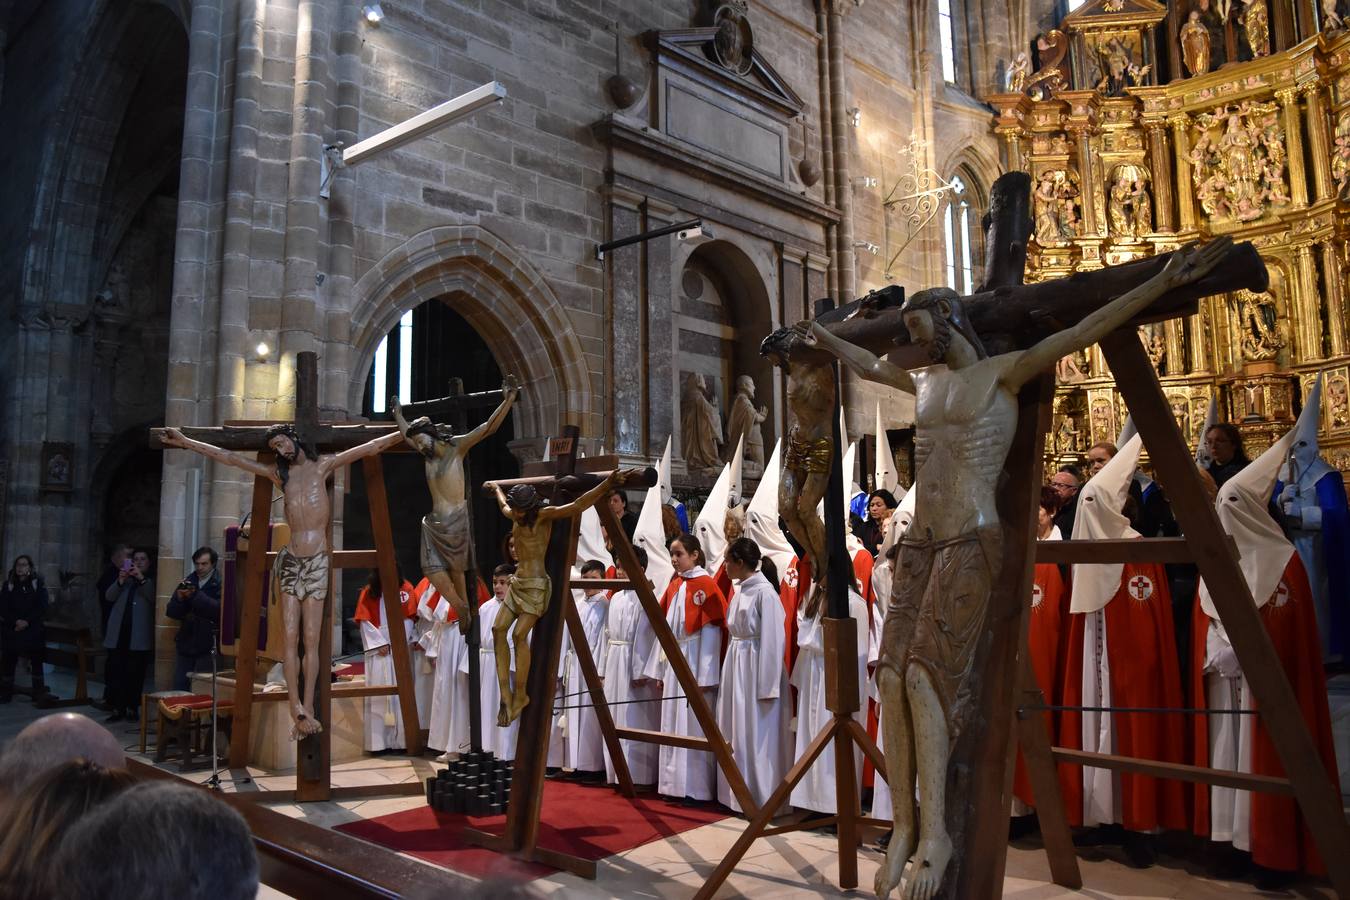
(794, 866)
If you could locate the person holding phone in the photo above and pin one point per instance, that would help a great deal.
(195, 604)
(130, 636)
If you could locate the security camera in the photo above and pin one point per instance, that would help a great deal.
(688, 234)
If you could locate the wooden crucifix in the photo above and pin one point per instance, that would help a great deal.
(300, 459)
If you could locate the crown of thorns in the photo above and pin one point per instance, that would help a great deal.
(524, 497)
(424, 425)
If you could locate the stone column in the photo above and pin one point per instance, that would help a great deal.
(1334, 298)
(1293, 137)
(662, 374)
(627, 342)
(843, 189)
(1181, 140)
(1303, 308)
(1199, 346)
(1160, 157)
(1319, 135)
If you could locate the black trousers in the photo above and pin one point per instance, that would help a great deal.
(126, 678)
(9, 661)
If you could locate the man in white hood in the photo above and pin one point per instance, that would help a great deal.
(1263, 825)
(1122, 653)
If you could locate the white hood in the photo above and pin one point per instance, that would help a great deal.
(663, 473)
(1263, 549)
(1304, 449)
(883, 470)
(650, 536)
(1099, 518)
(736, 494)
(1127, 431)
(761, 517)
(898, 523)
(710, 526)
(591, 540)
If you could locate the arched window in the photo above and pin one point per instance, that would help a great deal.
(945, 33)
(960, 236)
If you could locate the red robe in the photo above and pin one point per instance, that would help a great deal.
(451, 616)
(1279, 835)
(704, 604)
(1046, 639)
(370, 608)
(793, 591)
(1141, 650)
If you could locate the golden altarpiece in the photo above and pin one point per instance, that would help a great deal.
(1144, 126)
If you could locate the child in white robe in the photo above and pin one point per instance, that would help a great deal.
(584, 744)
(499, 741)
(446, 649)
(635, 700)
(384, 717)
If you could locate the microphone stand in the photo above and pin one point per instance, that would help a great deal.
(215, 780)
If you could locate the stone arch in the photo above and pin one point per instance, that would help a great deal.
(498, 291)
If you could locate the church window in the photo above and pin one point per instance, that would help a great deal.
(946, 31)
(959, 221)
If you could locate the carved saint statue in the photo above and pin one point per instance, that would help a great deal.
(810, 444)
(1119, 70)
(1332, 21)
(744, 419)
(1340, 158)
(1018, 72)
(700, 426)
(1256, 23)
(447, 546)
(1073, 368)
(527, 598)
(1258, 322)
(1056, 207)
(1195, 44)
(1130, 207)
(301, 570)
(966, 404)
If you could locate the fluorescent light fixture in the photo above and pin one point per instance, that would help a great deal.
(437, 117)
(373, 14)
(854, 116)
(865, 181)
(868, 246)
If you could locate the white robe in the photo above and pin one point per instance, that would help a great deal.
(754, 706)
(687, 773)
(447, 651)
(816, 791)
(500, 741)
(384, 718)
(1102, 802)
(424, 675)
(882, 808)
(1230, 740)
(629, 645)
(583, 742)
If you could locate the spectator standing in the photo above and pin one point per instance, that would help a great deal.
(618, 504)
(195, 604)
(1227, 454)
(130, 635)
(23, 607)
(116, 557)
(1066, 482)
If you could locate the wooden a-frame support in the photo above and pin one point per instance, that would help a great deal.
(521, 837)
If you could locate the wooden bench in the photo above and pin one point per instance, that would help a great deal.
(186, 721)
(71, 646)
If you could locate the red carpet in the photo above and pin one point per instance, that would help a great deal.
(586, 821)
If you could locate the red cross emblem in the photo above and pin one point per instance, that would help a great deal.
(1140, 587)
(699, 597)
(791, 578)
(1037, 595)
(1281, 595)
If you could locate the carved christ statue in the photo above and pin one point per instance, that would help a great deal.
(527, 599)
(302, 567)
(447, 545)
(966, 406)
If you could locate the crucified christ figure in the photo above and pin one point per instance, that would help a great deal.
(527, 599)
(302, 566)
(447, 543)
(966, 404)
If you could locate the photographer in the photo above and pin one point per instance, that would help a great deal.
(130, 637)
(23, 606)
(196, 604)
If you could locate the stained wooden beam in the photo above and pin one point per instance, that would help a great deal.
(1246, 781)
(1137, 550)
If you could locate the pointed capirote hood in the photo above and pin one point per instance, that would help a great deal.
(1127, 431)
(1099, 518)
(898, 524)
(735, 492)
(1202, 457)
(663, 473)
(851, 490)
(1303, 451)
(591, 540)
(1263, 550)
(883, 470)
(710, 526)
(761, 517)
(651, 536)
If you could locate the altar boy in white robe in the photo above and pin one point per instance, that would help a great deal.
(635, 699)
(384, 719)
(584, 744)
(754, 705)
(446, 650)
(696, 613)
(816, 791)
(500, 741)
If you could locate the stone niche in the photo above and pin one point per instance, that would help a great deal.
(713, 134)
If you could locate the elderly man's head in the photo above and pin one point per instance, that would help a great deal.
(51, 741)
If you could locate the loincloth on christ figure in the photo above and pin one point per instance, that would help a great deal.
(304, 577)
(528, 596)
(806, 456)
(447, 542)
(939, 607)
